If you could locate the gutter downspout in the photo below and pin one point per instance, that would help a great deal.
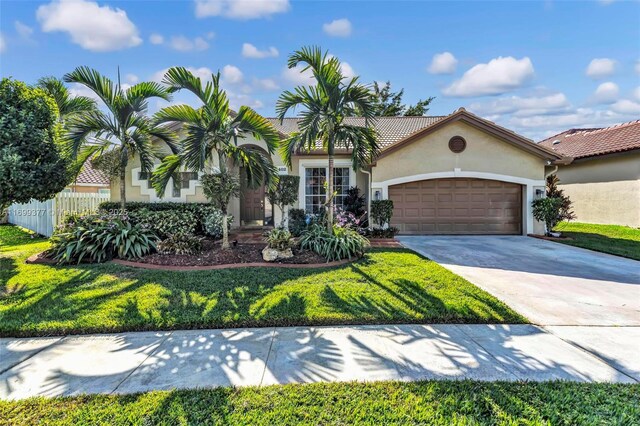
(368, 195)
(552, 172)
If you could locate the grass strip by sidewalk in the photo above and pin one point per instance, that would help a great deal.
(382, 403)
(613, 239)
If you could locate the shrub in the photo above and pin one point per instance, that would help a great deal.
(200, 210)
(298, 221)
(355, 203)
(181, 244)
(219, 188)
(284, 194)
(342, 243)
(389, 232)
(566, 206)
(279, 239)
(213, 224)
(166, 222)
(381, 212)
(547, 210)
(97, 238)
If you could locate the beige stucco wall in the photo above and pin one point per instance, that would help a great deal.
(604, 190)
(135, 193)
(92, 189)
(484, 153)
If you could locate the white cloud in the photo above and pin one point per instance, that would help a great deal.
(203, 73)
(295, 76)
(636, 93)
(626, 106)
(338, 28)
(606, 93)
(240, 9)
(184, 44)
(131, 78)
(24, 31)
(637, 67)
(3, 43)
(266, 84)
(156, 38)
(500, 75)
(93, 27)
(250, 51)
(443, 63)
(523, 106)
(347, 70)
(77, 89)
(232, 74)
(601, 67)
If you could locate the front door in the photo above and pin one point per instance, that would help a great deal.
(252, 205)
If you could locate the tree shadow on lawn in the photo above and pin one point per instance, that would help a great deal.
(111, 298)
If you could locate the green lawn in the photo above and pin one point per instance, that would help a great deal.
(613, 239)
(384, 403)
(387, 286)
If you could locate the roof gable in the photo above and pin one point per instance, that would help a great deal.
(473, 120)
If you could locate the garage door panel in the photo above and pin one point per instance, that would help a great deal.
(457, 206)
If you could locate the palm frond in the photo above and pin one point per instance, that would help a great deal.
(165, 171)
(249, 121)
(102, 86)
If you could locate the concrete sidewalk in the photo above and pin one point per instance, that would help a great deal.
(136, 362)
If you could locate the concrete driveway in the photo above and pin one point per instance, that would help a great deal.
(549, 283)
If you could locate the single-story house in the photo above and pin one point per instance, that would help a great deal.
(89, 180)
(603, 180)
(455, 174)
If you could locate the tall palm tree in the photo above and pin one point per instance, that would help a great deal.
(324, 109)
(67, 105)
(212, 131)
(123, 125)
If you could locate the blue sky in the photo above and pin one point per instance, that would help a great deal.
(535, 67)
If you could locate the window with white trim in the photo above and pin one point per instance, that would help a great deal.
(315, 194)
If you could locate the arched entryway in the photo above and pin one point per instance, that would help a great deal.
(255, 208)
(457, 206)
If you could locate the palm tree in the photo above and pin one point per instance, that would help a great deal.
(124, 125)
(322, 120)
(212, 132)
(67, 105)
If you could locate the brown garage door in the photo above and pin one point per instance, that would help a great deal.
(457, 206)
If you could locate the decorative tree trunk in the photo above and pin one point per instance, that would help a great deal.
(330, 193)
(123, 191)
(225, 231)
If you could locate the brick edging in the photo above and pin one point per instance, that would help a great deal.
(229, 265)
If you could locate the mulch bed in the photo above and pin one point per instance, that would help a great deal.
(212, 254)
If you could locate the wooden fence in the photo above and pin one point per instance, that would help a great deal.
(43, 216)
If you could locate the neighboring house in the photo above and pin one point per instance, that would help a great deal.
(603, 180)
(89, 180)
(458, 174)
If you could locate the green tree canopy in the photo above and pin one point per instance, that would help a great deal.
(324, 108)
(122, 126)
(389, 103)
(32, 160)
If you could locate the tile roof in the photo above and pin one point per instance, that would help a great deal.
(390, 129)
(89, 175)
(581, 143)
